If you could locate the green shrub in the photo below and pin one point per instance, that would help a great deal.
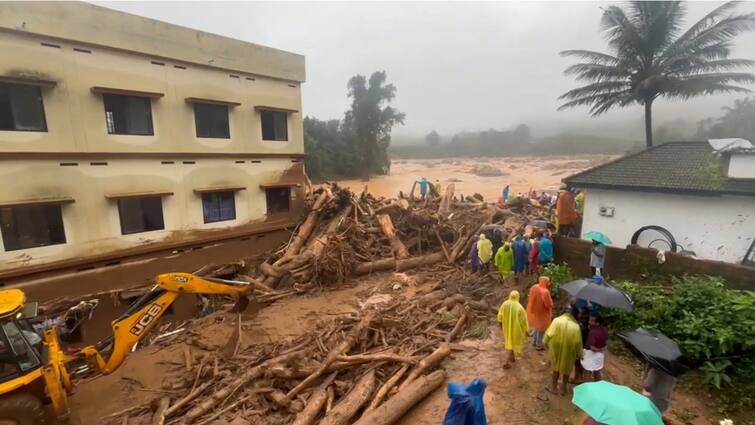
(714, 326)
(559, 274)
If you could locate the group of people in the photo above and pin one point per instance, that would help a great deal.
(425, 184)
(569, 204)
(576, 341)
(543, 198)
(522, 255)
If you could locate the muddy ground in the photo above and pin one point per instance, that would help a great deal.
(521, 173)
(511, 397)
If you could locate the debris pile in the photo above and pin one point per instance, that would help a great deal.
(366, 368)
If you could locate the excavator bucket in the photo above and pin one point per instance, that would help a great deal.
(247, 306)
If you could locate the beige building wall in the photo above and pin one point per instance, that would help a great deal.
(73, 47)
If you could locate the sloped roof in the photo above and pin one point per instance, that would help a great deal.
(671, 167)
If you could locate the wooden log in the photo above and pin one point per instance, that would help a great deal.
(453, 300)
(429, 362)
(397, 406)
(158, 418)
(227, 390)
(375, 266)
(432, 297)
(386, 388)
(339, 350)
(385, 209)
(445, 201)
(421, 261)
(188, 398)
(442, 245)
(318, 244)
(387, 357)
(350, 404)
(315, 404)
(271, 270)
(399, 250)
(459, 327)
(306, 227)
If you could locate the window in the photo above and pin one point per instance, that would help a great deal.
(128, 114)
(21, 108)
(219, 206)
(31, 226)
(274, 125)
(277, 199)
(141, 214)
(212, 120)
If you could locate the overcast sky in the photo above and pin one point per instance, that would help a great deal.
(456, 65)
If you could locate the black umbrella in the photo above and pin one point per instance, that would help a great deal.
(656, 349)
(599, 293)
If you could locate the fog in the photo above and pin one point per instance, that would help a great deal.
(457, 66)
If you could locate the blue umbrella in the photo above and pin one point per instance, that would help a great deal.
(598, 237)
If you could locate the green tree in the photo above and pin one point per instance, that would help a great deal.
(738, 121)
(369, 122)
(432, 138)
(651, 57)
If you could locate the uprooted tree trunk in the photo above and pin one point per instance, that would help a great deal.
(315, 403)
(427, 363)
(397, 406)
(445, 201)
(306, 228)
(342, 413)
(386, 388)
(399, 265)
(398, 247)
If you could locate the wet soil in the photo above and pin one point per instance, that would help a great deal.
(511, 396)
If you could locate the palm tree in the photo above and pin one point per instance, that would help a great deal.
(652, 58)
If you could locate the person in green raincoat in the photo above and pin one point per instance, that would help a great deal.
(563, 338)
(513, 319)
(485, 252)
(504, 260)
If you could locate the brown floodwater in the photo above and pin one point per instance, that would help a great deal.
(520, 173)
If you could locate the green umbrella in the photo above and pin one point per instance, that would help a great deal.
(613, 404)
(598, 237)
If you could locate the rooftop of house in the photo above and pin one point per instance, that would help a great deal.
(675, 167)
(88, 24)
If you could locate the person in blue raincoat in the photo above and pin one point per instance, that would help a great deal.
(521, 255)
(424, 185)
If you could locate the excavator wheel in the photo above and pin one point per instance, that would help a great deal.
(22, 409)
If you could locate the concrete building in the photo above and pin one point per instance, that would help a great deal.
(121, 135)
(700, 200)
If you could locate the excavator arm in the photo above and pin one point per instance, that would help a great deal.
(144, 314)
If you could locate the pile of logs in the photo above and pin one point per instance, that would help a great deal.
(366, 369)
(345, 234)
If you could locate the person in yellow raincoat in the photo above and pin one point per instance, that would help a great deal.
(485, 252)
(504, 260)
(564, 342)
(513, 319)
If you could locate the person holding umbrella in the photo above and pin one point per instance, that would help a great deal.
(598, 253)
(661, 355)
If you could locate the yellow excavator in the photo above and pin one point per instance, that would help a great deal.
(34, 369)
